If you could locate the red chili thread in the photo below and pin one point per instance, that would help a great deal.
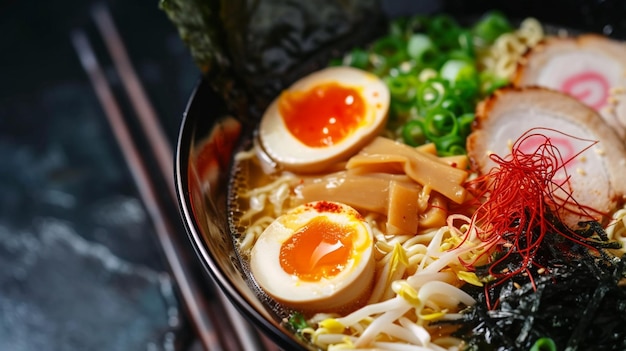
(514, 199)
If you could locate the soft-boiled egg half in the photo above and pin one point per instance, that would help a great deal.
(318, 257)
(323, 118)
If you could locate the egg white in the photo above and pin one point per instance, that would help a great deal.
(348, 288)
(286, 150)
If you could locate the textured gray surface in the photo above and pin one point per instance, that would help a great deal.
(80, 265)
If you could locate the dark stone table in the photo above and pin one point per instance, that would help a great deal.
(80, 265)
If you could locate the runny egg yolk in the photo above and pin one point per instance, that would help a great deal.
(316, 257)
(320, 249)
(323, 115)
(322, 119)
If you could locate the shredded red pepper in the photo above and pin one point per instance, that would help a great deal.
(518, 201)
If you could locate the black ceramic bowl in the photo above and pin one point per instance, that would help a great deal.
(209, 134)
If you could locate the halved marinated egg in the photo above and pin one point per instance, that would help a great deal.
(323, 118)
(316, 258)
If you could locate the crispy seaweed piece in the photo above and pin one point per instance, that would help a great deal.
(579, 301)
(249, 50)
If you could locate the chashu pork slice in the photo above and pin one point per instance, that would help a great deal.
(598, 175)
(590, 67)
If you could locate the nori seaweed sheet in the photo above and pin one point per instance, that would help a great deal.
(250, 50)
(579, 301)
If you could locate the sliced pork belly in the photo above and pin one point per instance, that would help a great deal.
(590, 67)
(598, 176)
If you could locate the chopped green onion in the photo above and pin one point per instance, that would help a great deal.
(458, 54)
(379, 64)
(444, 30)
(440, 122)
(454, 149)
(544, 344)
(421, 49)
(400, 112)
(398, 27)
(466, 44)
(335, 62)
(467, 90)
(490, 83)
(454, 105)
(442, 25)
(413, 133)
(402, 87)
(426, 74)
(450, 145)
(465, 124)
(392, 48)
(298, 322)
(358, 58)
(491, 26)
(431, 93)
(454, 70)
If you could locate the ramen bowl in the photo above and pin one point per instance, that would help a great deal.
(210, 134)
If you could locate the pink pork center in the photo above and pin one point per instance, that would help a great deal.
(565, 147)
(590, 87)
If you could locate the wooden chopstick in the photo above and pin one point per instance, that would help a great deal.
(197, 307)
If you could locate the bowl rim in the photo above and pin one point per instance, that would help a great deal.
(201, 97)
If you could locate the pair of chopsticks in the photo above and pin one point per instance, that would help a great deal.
(207, 315)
